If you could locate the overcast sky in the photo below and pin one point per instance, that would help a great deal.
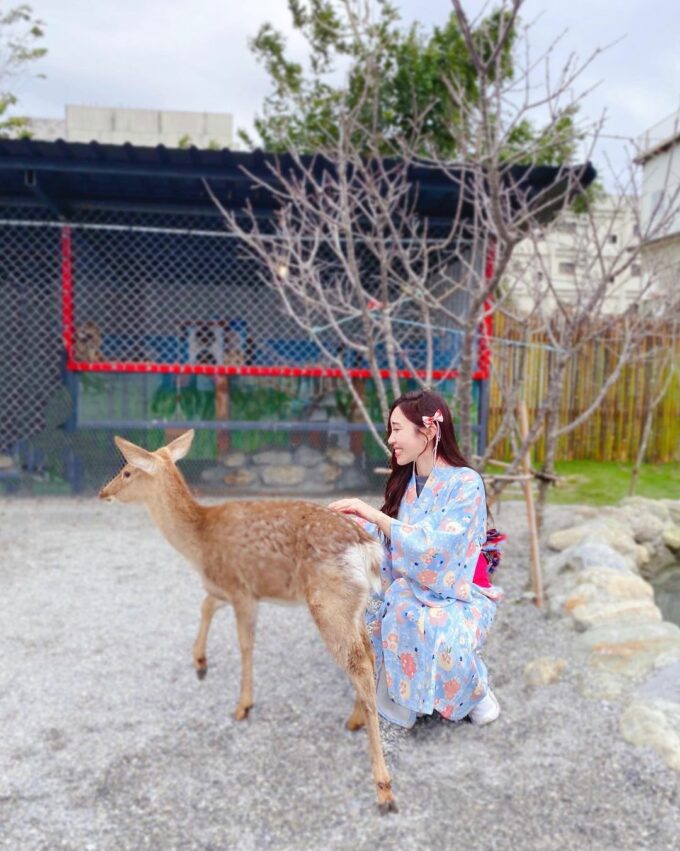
(193, 54)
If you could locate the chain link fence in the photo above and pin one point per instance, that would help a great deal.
(149, 324)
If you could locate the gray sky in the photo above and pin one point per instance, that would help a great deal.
(176, 54)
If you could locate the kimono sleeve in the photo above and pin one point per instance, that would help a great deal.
(440, 551)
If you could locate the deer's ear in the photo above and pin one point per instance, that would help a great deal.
(136, 456)
(181, 445)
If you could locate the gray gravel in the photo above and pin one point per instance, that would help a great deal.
(108, 740)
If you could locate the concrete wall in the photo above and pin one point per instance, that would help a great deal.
(659, 156)
(568, 258)
(149, 127)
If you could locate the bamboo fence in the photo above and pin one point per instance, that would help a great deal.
(614, 431)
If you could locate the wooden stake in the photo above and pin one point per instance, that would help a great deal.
(536, 580)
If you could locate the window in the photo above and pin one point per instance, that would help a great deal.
(612, 239)
(636, 270)
(567, 268)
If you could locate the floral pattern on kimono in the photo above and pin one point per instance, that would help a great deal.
(430, 621)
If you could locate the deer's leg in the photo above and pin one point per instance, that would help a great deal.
(208, 608)
(245, 609)
(344, 632)
(357, 719)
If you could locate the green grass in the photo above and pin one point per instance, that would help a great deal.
(606, 482)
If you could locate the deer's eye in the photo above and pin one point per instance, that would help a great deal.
(126, 474)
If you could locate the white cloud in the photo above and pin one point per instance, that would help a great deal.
(176, 54)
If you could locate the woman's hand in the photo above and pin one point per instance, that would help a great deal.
(357, 507)
(362, 509)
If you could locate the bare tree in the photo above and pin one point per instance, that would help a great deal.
(362, 269)
(383, 289)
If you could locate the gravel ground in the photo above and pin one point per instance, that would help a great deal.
(108, 740)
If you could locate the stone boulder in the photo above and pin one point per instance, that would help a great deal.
(543, 671)
(673, 506)
(273, 457)
(630, 649)
(307, 456)
(642, 505)
(606, 531)
(341, 457)
(241, 478)
(671, 538)
(654, 724)
(211, 475)
(598, 612)
(234, 459)
(283, 476)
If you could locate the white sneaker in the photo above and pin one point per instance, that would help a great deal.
(486, 711)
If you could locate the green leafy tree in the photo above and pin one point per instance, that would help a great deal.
(399, 78)
(20, 36)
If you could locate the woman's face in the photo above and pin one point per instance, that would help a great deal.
(406, 440)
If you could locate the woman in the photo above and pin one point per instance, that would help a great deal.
(433, 614)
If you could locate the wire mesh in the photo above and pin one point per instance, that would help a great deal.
(146, 324)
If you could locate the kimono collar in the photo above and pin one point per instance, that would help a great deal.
(439, 475)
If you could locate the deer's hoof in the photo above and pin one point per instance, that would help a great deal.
(201, 673)
(354, 724)
(388, 807)
(241, 712)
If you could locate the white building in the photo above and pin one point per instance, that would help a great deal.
(148, 127)
(659, 155)
(566, 254)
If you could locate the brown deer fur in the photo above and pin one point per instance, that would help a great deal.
(247, 551)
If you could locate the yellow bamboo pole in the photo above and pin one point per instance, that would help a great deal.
(535, 559)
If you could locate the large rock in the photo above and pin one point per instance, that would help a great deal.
(630, 649)
(599, 612)
(274, 457)
(283, 476)
(593, 554)
(543, 671)
(654, 724)
(563, 573)
(234, 459)
(663, 683)
(642, 505)
(307, 456)
(564, 538)
(603, 531)
(660, 558)
(645, 526)
(212, 474)
(352, 479)
(240, 478)
(330, 473)
(607, 581)
(671, 538)
(673, 506)
(602, 595)
(341, 457)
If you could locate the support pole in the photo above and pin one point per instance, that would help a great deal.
(536, 581)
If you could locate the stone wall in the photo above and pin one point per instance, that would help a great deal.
(304, 471)
(601, 578)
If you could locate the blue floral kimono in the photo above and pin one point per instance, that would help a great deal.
(430, 621)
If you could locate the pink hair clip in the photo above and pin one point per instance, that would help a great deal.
(437, 417)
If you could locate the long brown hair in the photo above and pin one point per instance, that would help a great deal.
(414, 406)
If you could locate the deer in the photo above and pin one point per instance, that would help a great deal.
(248, 551)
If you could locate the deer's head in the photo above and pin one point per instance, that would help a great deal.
(141, 476)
